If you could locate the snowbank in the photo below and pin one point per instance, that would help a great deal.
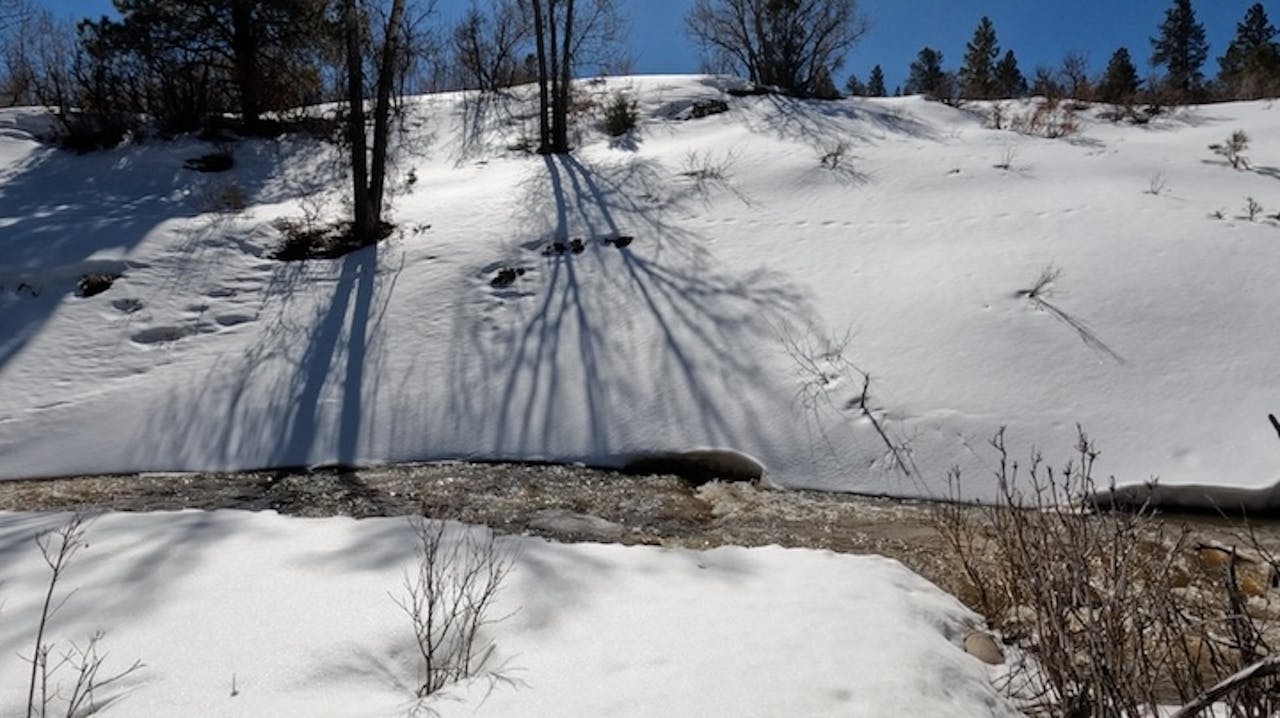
(296, 615)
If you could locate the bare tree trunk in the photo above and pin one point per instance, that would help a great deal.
(382, 111)
(560, 112)
(245, 50)
(540, 39)
(363, 221)
(553, 70)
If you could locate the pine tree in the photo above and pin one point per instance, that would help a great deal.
(190, 58)
(927, 77)
(1009, 79)
(854, 86)
(1181, 47)
(1251, 65)
(977, 75)
(1120, 81)
(875, 83)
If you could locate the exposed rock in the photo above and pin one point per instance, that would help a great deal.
(560, 522)
(707, 108)
(619, 241)
(506, 277)
(983, 646)
(700, 466)
(577, 246)
(95, 283)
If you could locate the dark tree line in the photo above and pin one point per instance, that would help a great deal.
(1249, 69)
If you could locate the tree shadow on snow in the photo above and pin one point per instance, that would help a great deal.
(821, 122)
(657, 327)
(301, 394)
(66, 215)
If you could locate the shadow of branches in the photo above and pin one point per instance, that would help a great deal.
(654, 327)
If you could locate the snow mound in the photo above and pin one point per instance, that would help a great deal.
(238, 614)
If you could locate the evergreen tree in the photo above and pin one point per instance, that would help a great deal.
(926, 76)
(875, 83)
(1120, 81)
(1181, 47)
(189, 58)
(1250, 67)
(977, 75)
(854, 86)
(1009, 80)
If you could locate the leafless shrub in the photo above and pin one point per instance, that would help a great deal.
(709, 171)
(833, 154)
(1040, 288)
(1049, 118)
(1251, 208)
(1038, 294)
(999, 113)
(1218, 214)
(1120, 613)
(1232, 148)
(1157, 182)
(822, 367)
(448, 597)
(1006, 158)
(705, 167)
(59, 547)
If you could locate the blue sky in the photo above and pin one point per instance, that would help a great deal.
(1039, 32)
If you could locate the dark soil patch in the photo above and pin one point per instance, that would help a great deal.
(95, 283)
(302, 241)
(212, 162)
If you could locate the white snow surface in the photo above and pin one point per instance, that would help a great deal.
(299, 613)
(208, 354)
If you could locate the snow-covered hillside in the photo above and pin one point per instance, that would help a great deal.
(760, 287)
(242, 614)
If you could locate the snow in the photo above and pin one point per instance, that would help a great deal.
(298, 615)
(207, 354)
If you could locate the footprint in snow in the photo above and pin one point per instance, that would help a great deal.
(231, 320)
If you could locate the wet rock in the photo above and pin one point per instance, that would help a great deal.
(699, 466)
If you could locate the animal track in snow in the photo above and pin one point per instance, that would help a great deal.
(128, 305)
(161, 334)
(231, 320)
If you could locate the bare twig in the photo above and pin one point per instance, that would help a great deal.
(823, 366)
(1042, 288)
(1264, 668)
(448, 598)
(58, 547)
(875, 423)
